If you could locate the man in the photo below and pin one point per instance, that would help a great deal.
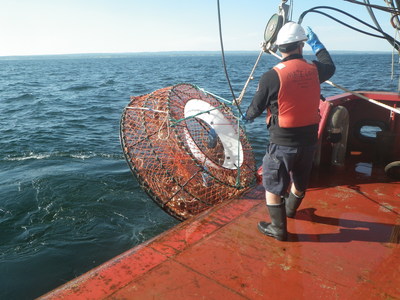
(291, 93)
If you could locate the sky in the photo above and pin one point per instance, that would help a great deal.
(36, 27)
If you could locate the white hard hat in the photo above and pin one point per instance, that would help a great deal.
(291, 32)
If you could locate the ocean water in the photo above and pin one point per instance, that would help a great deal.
(68, 201)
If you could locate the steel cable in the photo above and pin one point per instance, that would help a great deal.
(386, 36)
(224, 61)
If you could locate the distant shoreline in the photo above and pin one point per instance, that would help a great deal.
(167, 53)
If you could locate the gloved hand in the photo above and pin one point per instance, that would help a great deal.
(313, 41)
(244, 120)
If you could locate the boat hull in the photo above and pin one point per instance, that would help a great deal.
(342, 244)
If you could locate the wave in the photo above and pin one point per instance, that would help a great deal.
(108, 82)
(77, 155)
(27, 157)
(77, 88)
(26, 96)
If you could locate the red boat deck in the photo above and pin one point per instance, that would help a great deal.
(343, 244)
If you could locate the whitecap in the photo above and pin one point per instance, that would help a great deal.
(83, 156)
(28, 156)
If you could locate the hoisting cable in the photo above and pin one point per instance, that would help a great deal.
(239, 100)
(383, 8)
(394, 20)
(315, 10)
(224, 62)
(345, 24)
(289, 17)
(274, 24)
(386, 36)
(372, 15)
(235, 101)
(391, 9)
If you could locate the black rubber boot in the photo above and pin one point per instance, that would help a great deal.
(292, 204)
(277, 227)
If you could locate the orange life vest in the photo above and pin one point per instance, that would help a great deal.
(299, 93)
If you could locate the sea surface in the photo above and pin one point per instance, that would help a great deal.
(68, 201)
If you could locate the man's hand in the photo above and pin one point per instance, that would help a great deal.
(244, 119)
(313, 41)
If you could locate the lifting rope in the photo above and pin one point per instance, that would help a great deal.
(224, 62)
(239, 100)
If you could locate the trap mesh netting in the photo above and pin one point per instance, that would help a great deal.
(186, 149)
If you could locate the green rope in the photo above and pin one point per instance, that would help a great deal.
(193, 116)
(240, 123)
(215, 96)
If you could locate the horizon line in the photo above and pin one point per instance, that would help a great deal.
(179, 52)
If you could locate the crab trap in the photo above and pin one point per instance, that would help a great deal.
(186, 149)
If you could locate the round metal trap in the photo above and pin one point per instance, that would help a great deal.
(186, 149)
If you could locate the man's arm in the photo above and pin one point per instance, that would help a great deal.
(326, 67)
(268, 88)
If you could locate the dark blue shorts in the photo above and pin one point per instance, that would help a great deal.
(283, 164)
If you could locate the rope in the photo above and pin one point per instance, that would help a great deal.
(239, 100)
(223, 59)
(166, 120)
(173, 120)
(395, 110)
(393, 63)
(274, 54)
(193, 116)
(215, 96)
(148, 109)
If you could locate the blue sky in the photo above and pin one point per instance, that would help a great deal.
(103, 26)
